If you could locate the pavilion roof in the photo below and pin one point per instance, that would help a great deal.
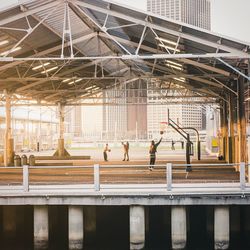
(65, 51)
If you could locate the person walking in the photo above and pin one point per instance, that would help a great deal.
(126, 149)
(152, 153)
(105, 152)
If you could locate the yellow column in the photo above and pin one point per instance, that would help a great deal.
(8, 140)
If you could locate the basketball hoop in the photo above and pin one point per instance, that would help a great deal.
(163, 127)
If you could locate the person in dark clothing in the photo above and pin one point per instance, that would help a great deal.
(126, 149)
(173, 147)
(182, 144)
(152, 153)
(105, 155)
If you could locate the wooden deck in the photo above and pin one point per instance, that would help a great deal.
(118, 173)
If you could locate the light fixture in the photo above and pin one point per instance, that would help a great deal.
(248, 99)
(96, 88)
(84, 94)
(4, 42)
(181, 79)
(174, 63)
(90, 87)
(70, 83)
(10, 51)
(66, 80)
(48, 70)
(174, 67)
(168, 47)
(166, 41)
(41, 66)
(78, 80)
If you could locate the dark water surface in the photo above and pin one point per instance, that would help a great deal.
(113, 229)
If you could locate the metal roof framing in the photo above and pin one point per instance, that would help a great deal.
(55, 51)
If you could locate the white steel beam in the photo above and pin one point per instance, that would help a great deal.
(159, 27)
(100, 78)
(153, 104)
(103, 29)
(141, 40)
(67, 30)
(45, 52)
(187, 61)
(129, 57)
(234, 69)
(30, 31)
(28, 86)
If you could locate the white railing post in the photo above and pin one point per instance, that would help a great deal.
(169, 176)
(26, 178)
(242, 175)
(97, 177)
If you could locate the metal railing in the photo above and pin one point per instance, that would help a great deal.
(170, 169)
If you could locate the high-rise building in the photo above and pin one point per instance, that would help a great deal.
(92, 122)
(185, 115)
(114, 113)
(73, 121)
(194, 12)
(125, 115)
(137, 109)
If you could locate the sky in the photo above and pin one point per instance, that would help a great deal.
(229, 17)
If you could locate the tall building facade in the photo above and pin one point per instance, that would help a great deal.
(137, 109)
(92, 122)
(125, 116)
(194, 12)
(114, 113)
(185, 115)
(73, 121)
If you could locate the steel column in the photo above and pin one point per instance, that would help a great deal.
(61, 151)
(224, 130)
(226, 140)
(231, 145)
(242, 121)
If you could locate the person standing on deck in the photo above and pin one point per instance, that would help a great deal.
(105, 152)
(126, 149)
(173, 147)
(152, 153)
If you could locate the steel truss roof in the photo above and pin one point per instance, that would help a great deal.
(67, 50)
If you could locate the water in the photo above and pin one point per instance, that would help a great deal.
(112, 231)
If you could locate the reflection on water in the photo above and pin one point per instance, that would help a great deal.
(112, 229)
